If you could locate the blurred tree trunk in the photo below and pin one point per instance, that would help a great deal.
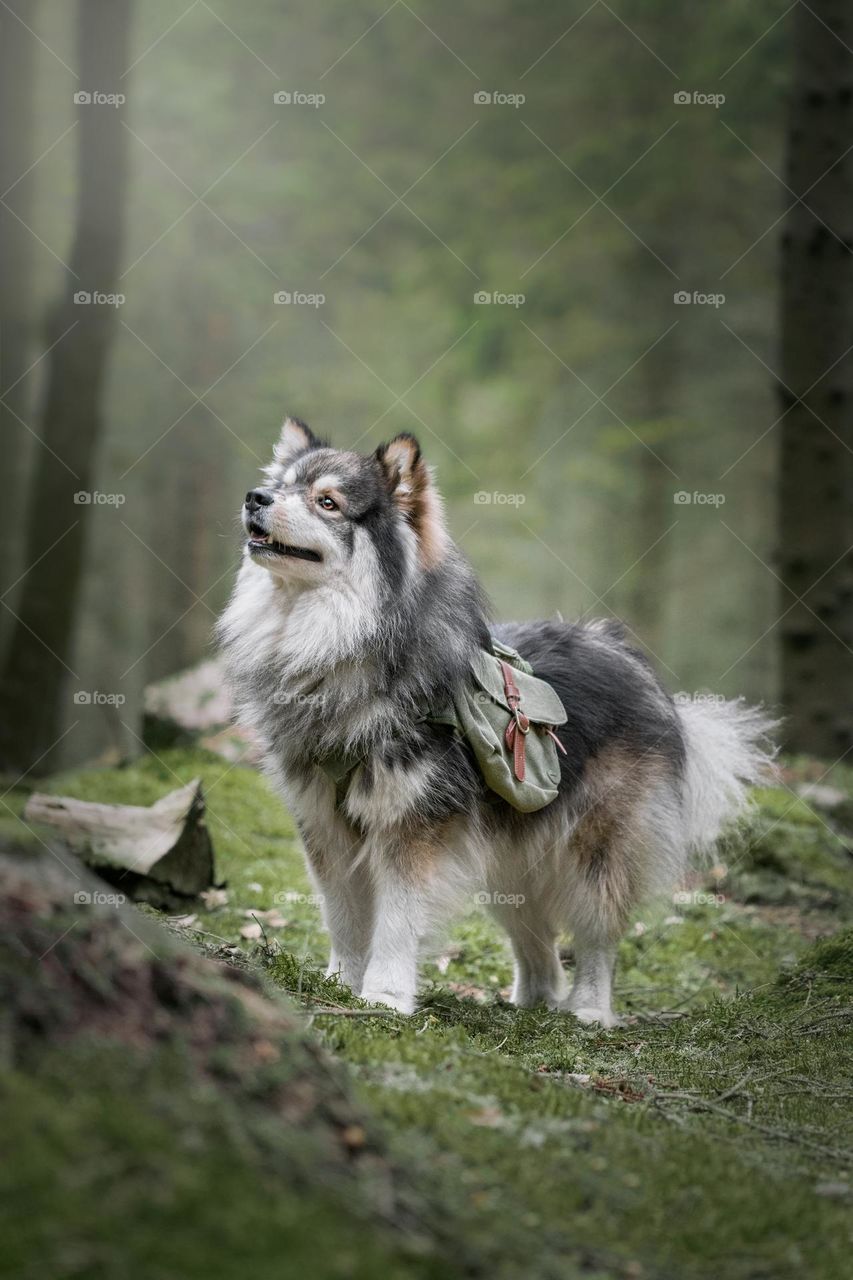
(648, 582)
(816, 495)
(32, 685)
(17, 92)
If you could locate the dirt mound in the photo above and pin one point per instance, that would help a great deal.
(111, 1025)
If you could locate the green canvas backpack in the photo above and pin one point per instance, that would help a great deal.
(508, 717)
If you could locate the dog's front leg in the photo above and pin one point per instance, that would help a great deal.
(348, 912)
(400, 923)
(346, 891)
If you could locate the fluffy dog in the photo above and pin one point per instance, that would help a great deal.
(353, 609)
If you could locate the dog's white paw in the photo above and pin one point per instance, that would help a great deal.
(604, 1017)
(402, 1003)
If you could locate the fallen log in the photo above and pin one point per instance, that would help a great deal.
(161, 854)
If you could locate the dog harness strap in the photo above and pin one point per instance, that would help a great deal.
(528, 776)
(518, 728)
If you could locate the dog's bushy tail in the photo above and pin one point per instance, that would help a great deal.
(729, 748)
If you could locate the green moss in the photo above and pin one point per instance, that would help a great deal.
(122, 1169)
(831, 959)
(699, 1145)
(712, 1135)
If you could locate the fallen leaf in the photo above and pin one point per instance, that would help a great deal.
(213, 898)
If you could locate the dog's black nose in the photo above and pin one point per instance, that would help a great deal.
(256, 498)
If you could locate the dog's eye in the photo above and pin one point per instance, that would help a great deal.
(327, 503)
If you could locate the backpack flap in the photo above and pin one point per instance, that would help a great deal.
(507, 723)
(539, 700)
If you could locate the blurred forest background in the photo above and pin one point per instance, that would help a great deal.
(605, 447)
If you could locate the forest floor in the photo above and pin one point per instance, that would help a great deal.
(708, 1136)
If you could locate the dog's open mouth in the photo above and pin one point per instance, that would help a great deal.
(261, 543)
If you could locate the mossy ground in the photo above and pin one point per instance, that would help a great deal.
(708, 1136)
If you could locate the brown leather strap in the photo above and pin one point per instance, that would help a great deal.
(515, 736)
(518, 728)
(513, 697)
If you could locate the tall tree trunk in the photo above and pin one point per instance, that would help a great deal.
(816, 494)
(33, 683)
(17, 92)
(647, 586)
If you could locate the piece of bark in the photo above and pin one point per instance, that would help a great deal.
(158, 854)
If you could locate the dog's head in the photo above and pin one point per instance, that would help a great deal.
(325, 514)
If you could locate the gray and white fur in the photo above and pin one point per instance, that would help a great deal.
(353, 608)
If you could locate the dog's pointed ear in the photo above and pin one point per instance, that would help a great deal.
(296, 436)
(410, 484)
